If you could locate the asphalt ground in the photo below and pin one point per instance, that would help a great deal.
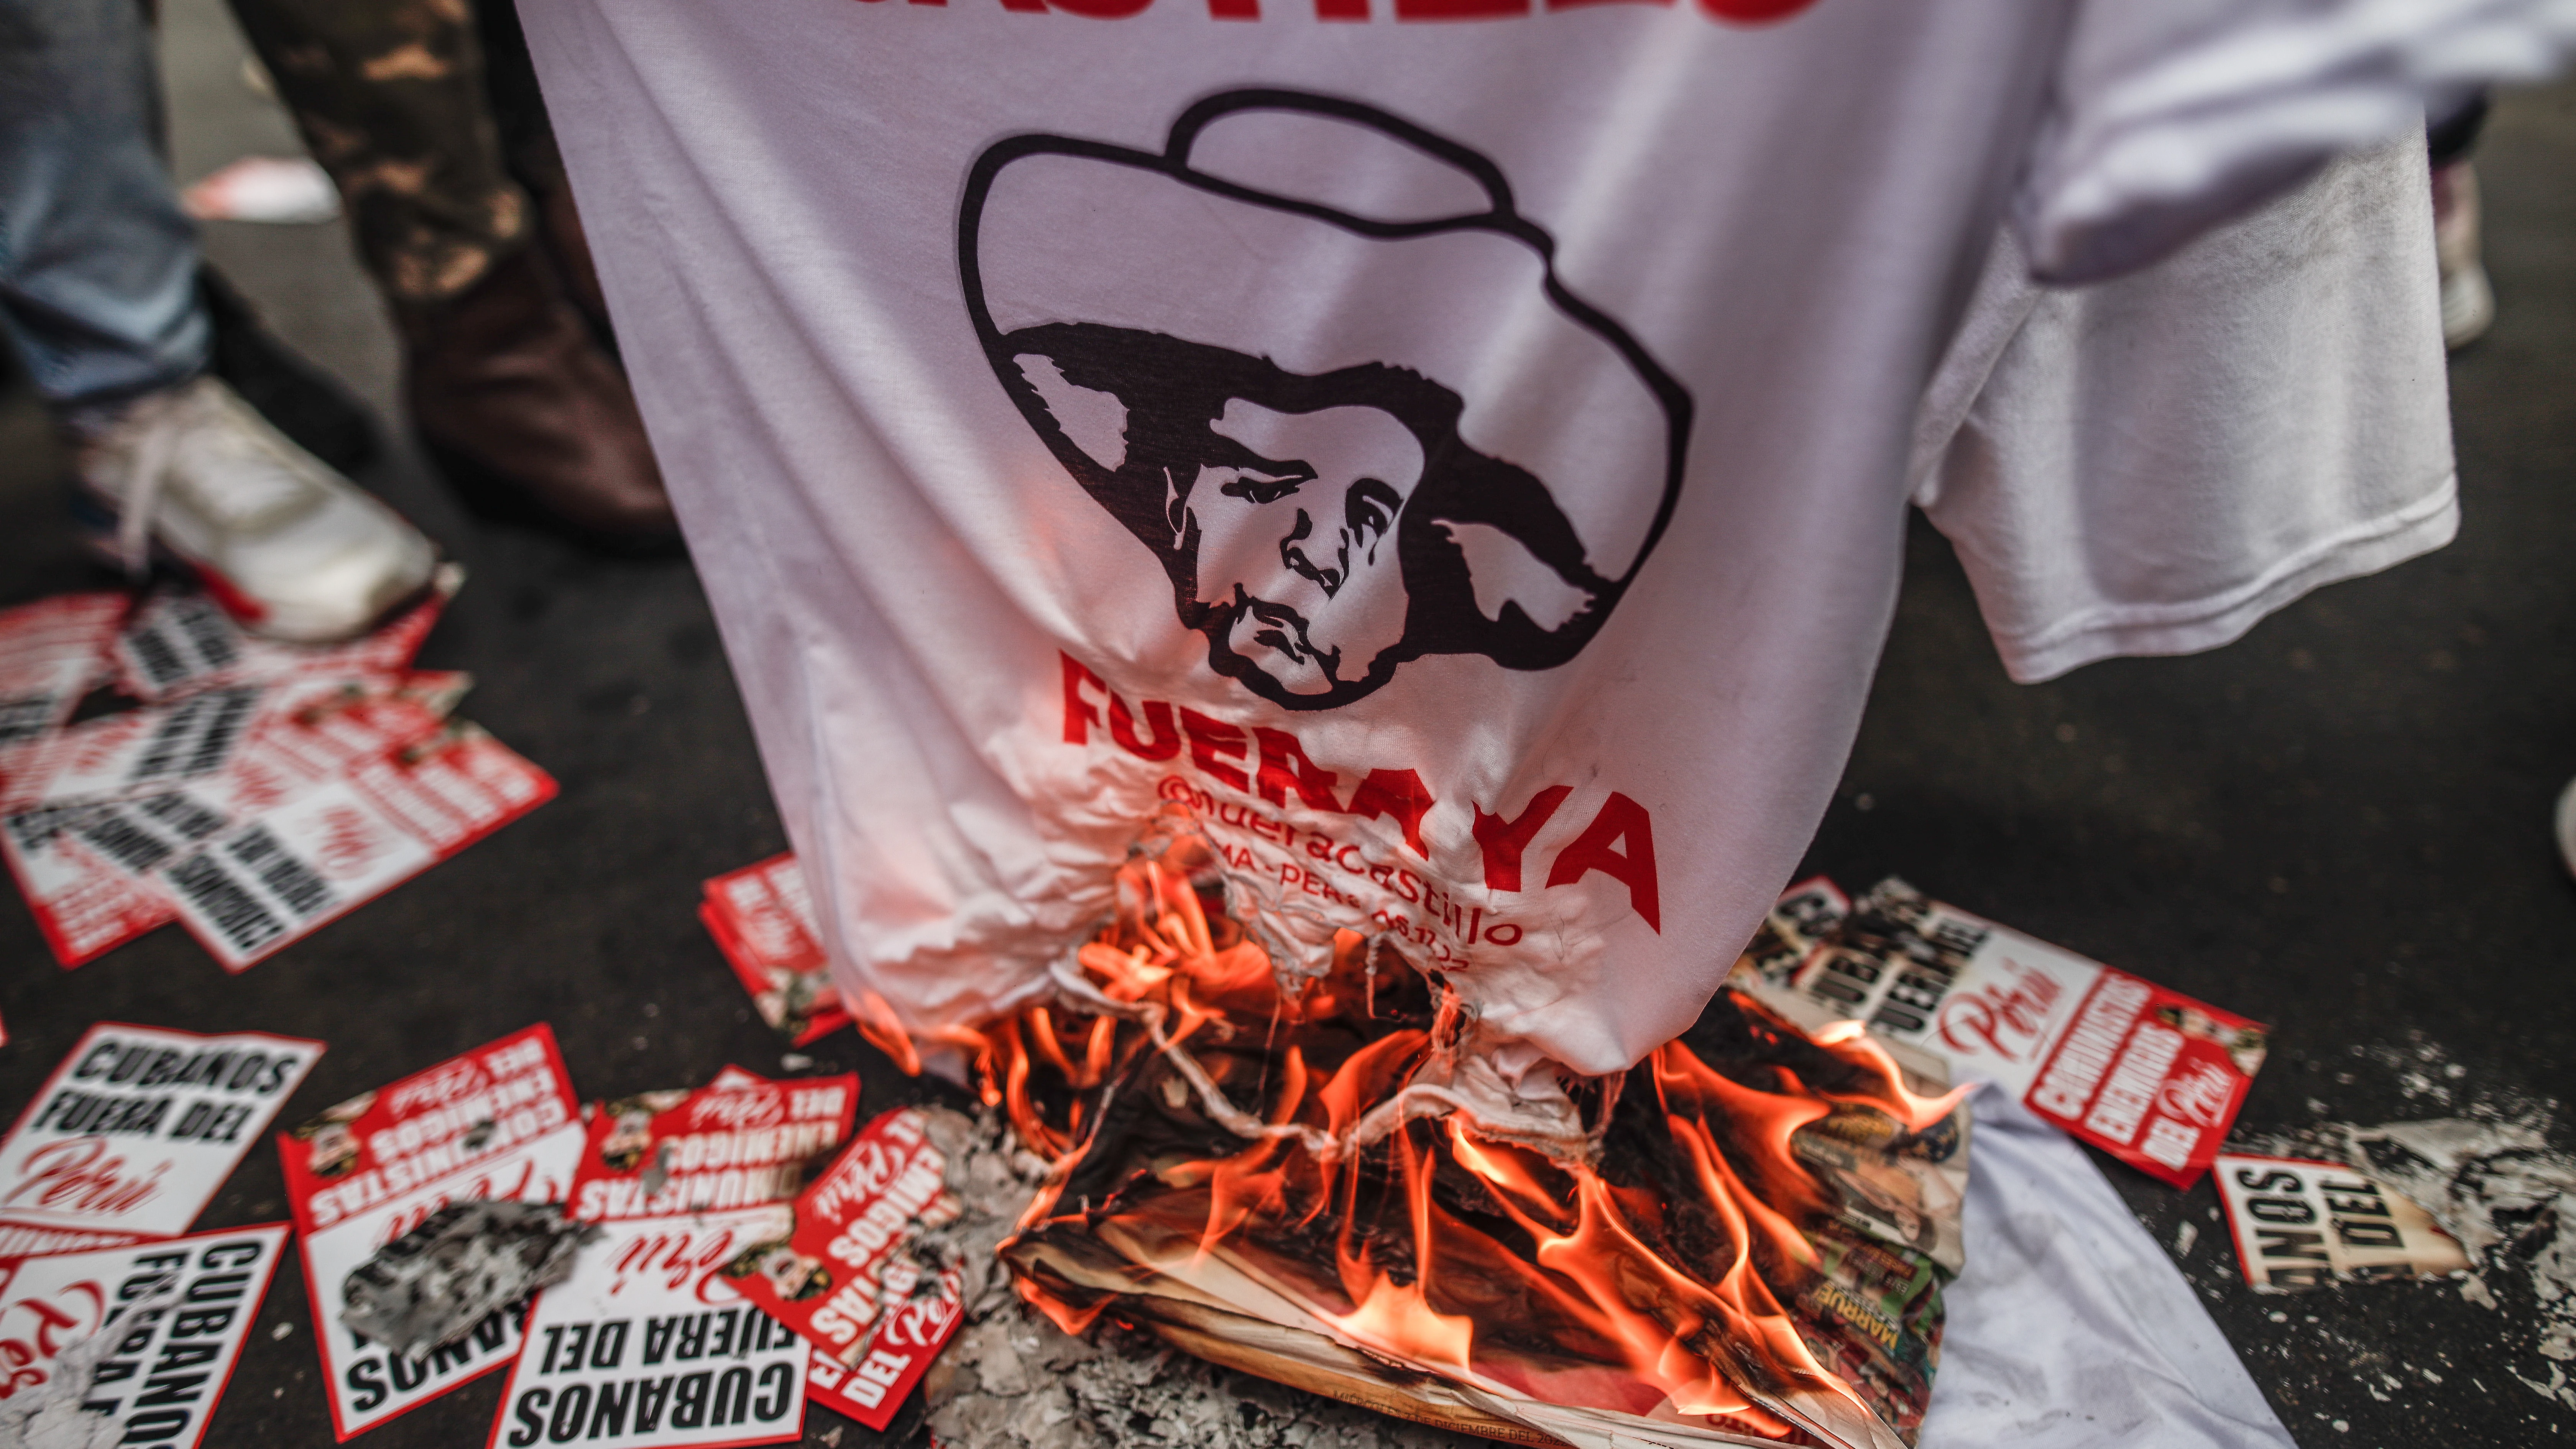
(2338, 825)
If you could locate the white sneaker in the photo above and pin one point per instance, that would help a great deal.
(289, 547)
(2468, 299)
(2468, 306)
(2566, 823)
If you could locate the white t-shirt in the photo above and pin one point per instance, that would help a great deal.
(2150, 465)
(1457, 449)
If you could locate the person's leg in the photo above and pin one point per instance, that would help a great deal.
(389, 96)
(98, 291)
(98, 265)
(505, 381)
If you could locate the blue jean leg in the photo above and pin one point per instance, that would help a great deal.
(98, 265)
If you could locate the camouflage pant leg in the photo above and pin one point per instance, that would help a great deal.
(390, 97)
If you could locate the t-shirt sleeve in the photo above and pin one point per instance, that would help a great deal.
(2169, 116)
(2153, 464)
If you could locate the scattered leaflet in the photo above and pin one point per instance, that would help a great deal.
(338, 843)
(327, 726)
(1800, 921)
(51, 651)
(369, 1384)
(2302, 1224)
(86, 868)
(180, 642)
(841, 1276)
(496, 1123)
(473, 1108)
(738, 1142)
(139, 1125)
(176, 1314)
(84, 907)
(648, 1343)
(20, 1240)
(762, 917)
(133, 753)
(2146, 1074)
(262, 790)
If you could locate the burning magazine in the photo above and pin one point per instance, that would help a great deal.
(1751, 1249)
(2146, 1074)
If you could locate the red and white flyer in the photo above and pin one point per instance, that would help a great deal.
(762, 918)
(181, 641)
(475, 1107)
(86, 869)
(2148, 1075)
(140, 1125)
(369, 1384)
(18, 1240)
(840, 1278)
(2301, 1224)
(650, 1344)
(51, 652)
(139, 751)
(497, 1122)
(739, 1141)
(179, 1309)
(334, 844)
(330, 726)
(1805, 917)
(84, 905)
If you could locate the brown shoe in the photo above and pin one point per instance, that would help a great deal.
(559, 222)
(519, 403)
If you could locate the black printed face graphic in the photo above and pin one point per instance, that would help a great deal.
(1319, 528)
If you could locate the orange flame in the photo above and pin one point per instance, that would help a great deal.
(1562, 1267)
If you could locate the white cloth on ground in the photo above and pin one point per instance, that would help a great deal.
(2070, 1328)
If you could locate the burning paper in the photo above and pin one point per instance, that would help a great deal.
(846, 1276)
(139, 1126)
(649, 1344)
(129, 1345)
(1750, 1250)
(465, 1262)
(496, 1123)
(2146, 1074)
(2301, 1224)
(762, 918)
(740, 1141)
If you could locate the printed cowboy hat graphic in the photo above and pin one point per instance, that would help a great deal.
(1314, 359)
